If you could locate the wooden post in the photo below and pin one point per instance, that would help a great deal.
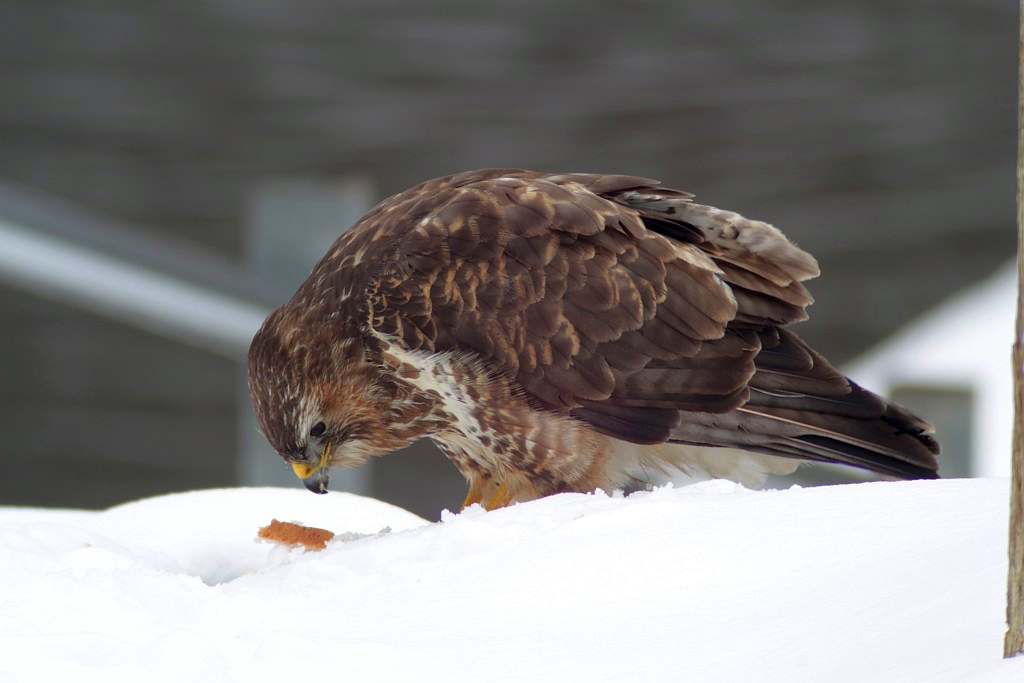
(1014, 642)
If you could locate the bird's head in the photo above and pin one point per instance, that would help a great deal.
(317, 398)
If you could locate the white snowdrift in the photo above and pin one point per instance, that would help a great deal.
(868, 582)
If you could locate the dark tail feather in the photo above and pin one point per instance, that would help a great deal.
(802, 407)
(885, 444)
(892, 442)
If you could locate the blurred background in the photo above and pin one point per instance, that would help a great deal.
(169, 172)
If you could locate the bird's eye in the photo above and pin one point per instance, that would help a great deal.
(317, 430)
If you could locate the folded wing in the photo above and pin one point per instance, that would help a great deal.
(628, 306)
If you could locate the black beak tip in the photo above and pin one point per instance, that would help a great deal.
(316, 483)
(317, 487)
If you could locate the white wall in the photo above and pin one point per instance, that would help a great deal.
(965, 342)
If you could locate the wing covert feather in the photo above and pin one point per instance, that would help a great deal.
(628, 306)
(556, 286)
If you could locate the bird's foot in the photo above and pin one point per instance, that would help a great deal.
(499, 498)
(473, 497)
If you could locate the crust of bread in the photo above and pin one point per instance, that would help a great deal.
(291, 534)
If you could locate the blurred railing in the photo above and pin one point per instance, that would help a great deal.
(105, 285)
(178, 290)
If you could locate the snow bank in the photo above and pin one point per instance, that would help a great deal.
(868, 582)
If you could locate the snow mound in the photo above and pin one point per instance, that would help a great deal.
(869, 582)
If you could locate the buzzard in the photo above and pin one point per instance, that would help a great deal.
(564, 332)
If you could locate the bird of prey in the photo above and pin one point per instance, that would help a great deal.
(564, 332)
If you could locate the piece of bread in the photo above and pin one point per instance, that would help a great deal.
(296, 534)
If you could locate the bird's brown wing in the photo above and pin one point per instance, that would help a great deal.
(798, 404)
(569, 293)
(652, 318)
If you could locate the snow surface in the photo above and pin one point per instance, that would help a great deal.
(711, 582)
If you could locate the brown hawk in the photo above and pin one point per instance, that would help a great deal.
(563, 332)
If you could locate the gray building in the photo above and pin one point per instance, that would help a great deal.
(182, 137)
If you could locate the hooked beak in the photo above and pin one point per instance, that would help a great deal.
(315, 477)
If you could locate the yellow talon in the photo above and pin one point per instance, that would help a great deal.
(488, 494)
(502, 497)
(475, 495)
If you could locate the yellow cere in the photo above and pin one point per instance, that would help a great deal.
(303, 471)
